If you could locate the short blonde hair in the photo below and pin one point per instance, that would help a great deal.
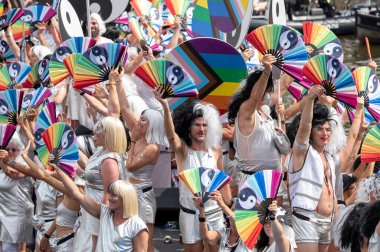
(125, 190)
(115, 138)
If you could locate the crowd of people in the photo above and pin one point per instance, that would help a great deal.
(328, 200)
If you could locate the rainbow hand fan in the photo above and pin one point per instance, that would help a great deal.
(122, 20)
(322, 40)
(367, 84)
(283, 42)
(227, 15)
(14, 73)
(141, 33)
(47, 117)
(124, 29)
(178, 7)
(18, 31)
(297, 91)
(57, 69)
(251, 210)
(10, 106)
(39, 76)
(6, 133)
(6, 53)
(176, 82)
(166, 15)
(203, 181)
(95, 64)
(371, 145)
(26, 100)
(155, 18)
(38, 13)
(141, 7)
(334, 76)
(3, 6)
(39, 96)
(10, 17)
(61, 141)
(157, 3)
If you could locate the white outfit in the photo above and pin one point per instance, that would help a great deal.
(189, 223)
(16, 209)
(374, 243)
(256, 151)
(119, 238)
(94, 185)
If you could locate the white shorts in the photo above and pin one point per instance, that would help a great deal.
(189, 225)
(315, 230)
(147, 204)
(64, 245)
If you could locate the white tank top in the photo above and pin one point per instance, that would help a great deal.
(257, 151)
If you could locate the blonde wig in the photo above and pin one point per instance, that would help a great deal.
(125, 190)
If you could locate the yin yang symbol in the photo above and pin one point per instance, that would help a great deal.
(26, 101)
(207, 176)
(42, 67)
(61, 53)
(38, 137)
(333, 49)
(373, 83)
(14, 69)
(288, 40)
(3, 46)
(99, 55)
(174, 75)
(3, 107)
(334, 68)
(247, 199)
(67, 138)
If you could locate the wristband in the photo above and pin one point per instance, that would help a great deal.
(47, 236)
(202, 219)
(82, 93)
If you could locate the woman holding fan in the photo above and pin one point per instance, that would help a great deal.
(147, 137)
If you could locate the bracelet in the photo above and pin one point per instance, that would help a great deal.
(202, 219)
(82, 93)
(12, 163)
(47, 236)
(272, 218)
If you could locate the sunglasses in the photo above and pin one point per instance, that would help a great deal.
(12, 149)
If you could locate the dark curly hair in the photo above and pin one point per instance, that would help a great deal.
(244, 94)
(371, 219)
(183, 116)
(350, 232)
(320, 116)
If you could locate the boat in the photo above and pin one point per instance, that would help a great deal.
(368, 24)
(340, 22)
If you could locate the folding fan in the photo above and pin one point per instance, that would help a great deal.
(297, 91)
(141, 33)
(178, 7)
(322, 40)
(155, 18)
(121, 20)
(3, 6)
(371, 145)
(47, 117)
(10, 17)
(10, 106)
(6, 133)
(157, 2)
(176, 82)
(39, 76)
(19, 29)
(285, 44)
(57, 69)
(38, 13)
(334, 76)
(38, 97)
(227, 15)
(343, 109)
(61, 141)
(6, 52)
(251, 210)
(95, 64)
(13, 73)
(124, 29)
(141, 7)
(166, 15)
(203, 181)
(367, 85)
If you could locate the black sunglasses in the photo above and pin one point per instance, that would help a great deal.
(12, 149)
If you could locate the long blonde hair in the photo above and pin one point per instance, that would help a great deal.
(115, 138)
(125, 190)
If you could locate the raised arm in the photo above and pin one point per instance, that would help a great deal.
(248, 107)
(113, 98)
(347, 165)
(12, 43)
(110, 172)
(282, 242)
(88, 203)
(175, 142)
(354, 130)
(301, 142)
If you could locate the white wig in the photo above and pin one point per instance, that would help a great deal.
(155, 133)
(214, 127)
(338, 137)
(41, 51)
(368, 186)
(99, 20)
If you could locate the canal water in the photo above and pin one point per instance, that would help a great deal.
(355, 53)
